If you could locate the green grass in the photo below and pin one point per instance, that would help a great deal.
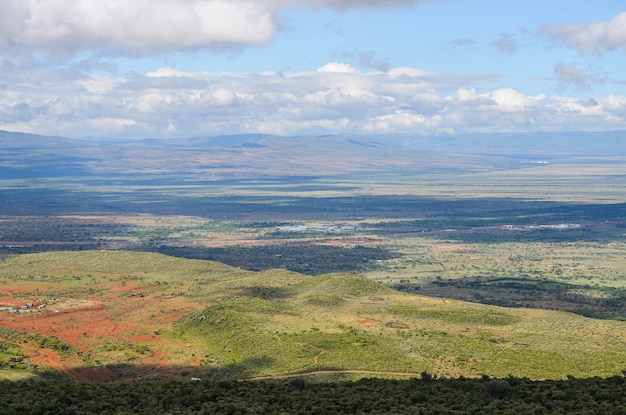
(464, 314)
(324, 300)
(279, 322)
(15, 375)
(107, 263)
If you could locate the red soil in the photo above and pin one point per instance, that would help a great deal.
(89, 323)
(10, 302)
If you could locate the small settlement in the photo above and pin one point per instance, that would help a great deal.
(26, 308)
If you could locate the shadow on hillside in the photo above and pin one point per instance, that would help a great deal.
(434, 212)
(308, 259)
(268, 293)
(589, 301)
(147, 372)
(479, 220)
(300, 396)
(250, 369)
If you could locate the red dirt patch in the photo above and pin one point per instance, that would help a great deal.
(10, 302)
(91, 323)
(11, 291)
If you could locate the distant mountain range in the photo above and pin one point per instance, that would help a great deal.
(34, 156)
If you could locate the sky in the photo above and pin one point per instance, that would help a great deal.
(173, 68)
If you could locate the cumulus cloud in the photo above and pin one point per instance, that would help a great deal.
(337, 67)
(594, 38)
(142, 26)
(148, 26)
(332, 99)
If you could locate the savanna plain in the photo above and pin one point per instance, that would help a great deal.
(263, 274)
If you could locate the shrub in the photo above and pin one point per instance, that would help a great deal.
(497, 387)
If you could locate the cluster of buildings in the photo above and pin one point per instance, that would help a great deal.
(26, 308)
(556, 226)
(329, 228)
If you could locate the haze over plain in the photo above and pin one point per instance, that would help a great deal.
(171, 68)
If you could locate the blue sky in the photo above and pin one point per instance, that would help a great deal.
(168, 68)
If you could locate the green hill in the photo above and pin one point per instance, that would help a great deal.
(206, 319)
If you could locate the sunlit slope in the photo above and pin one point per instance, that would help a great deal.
(118, 263)
(237, 324)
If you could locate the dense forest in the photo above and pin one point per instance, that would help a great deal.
(425, 395)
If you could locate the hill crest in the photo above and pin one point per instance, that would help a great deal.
(181, 316)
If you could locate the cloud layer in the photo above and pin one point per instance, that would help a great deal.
(46, 89)
(336, 98)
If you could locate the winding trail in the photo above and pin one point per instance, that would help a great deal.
(326, 372)
(316, 357)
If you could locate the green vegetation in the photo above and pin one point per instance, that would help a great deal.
(14, 375)
(58, 267)
(131, 350)
(307, 294)
(9, 348)
(306, 396)
(11, 355)
(310, 259)
(240, 324)
(590, 301)
(484, 316)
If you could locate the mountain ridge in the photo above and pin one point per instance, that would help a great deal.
(28, 155)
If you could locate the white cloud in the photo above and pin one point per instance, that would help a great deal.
(409, 72)
(167, 102)
(99, 85)
(171, 127)
(138, 26)
(399, 120)
(166, 73)
(510, 100)
(463, 94)
(341, 4)
(141, 27)
(337, 68)
(111, 124)
(594, 38)
(614, 103)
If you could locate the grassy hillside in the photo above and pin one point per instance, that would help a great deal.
(142, 316)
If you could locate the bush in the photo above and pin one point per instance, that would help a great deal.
(497, 387)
